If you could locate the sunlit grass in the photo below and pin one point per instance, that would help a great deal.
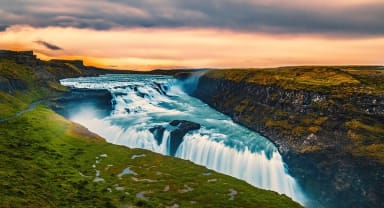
(321, 78)
(47, 160)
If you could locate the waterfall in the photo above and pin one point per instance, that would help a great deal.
(144, 106)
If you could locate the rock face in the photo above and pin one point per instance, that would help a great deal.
(158, 132)
(322, 137)
(21, 57)
(179, 128)
(183, 127)
(10, 85)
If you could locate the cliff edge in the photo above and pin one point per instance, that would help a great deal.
(328, 123)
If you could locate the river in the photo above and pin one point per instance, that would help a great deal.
(144, 102)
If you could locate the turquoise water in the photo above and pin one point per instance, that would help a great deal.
(141, 102)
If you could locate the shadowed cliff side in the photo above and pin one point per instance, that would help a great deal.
(328, 123)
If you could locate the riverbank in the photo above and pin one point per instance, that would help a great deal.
(151, 112)
(326, 121)
(49, 161)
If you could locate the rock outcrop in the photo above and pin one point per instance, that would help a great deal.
(182, 128)
(178, 129)
(158, 132)
(21, 57)
(329, 138)
(10, 85)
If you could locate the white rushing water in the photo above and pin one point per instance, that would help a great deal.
(142, 102)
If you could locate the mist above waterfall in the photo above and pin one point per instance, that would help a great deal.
(143, 108)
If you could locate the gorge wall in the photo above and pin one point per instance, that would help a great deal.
(330, 135)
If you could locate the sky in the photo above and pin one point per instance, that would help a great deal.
(151, 34)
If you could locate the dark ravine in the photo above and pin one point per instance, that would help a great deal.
(314, 132)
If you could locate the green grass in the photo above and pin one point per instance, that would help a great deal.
(36, 89)
(10, 105)
(47, 161)
(318, 78)
(11, 69)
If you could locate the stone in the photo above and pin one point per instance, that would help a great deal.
(158, 132)
(182, 128)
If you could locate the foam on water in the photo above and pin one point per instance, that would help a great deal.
(141, 102)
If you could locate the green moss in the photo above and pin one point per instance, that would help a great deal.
(283, 124)
(314, 129)
(375, 128)
(310, 148)
(9, 105)
(242, 105)
(298, 130)
(367, 139)
(58, 87)
(320, 120)
(10, 69)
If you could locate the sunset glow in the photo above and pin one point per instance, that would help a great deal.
(195, 40)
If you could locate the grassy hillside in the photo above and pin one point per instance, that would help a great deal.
(21, 84)
(48, 161)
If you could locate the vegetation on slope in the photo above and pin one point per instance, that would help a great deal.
(352, 79)
(48, 161)
(18, 87)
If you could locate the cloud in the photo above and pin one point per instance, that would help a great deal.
(346, 17)
(150, 48)
(48, 45)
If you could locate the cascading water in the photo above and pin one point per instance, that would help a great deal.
(144, 106)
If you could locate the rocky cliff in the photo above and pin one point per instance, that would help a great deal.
(328, 123)
(22, 73)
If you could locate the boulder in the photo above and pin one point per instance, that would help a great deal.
(182, 128)
(158, 132)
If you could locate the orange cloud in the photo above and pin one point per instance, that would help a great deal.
(192, 48)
